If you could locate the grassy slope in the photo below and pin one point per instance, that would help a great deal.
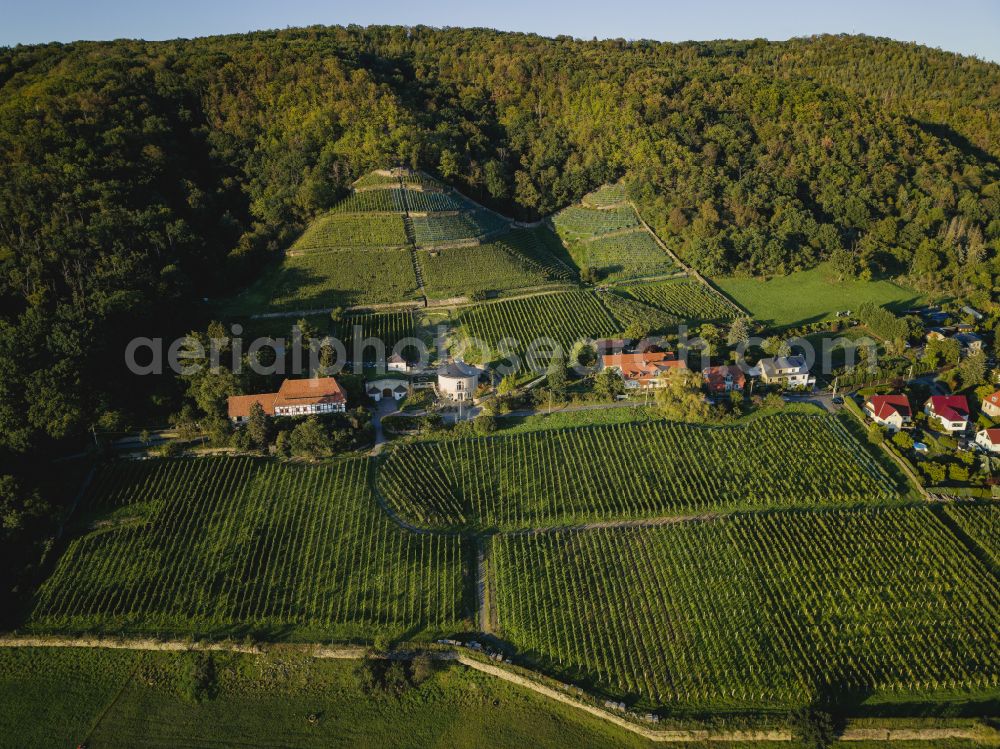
(808, 296)
(55, 697)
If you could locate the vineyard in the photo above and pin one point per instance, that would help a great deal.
(564, 317)
(498, 265)
(337, 278)
(348, 230)
(685, 299)
(626, 471)
(763, 609)
(234, 545)
(605, 196)
(627, 310)
(374, 201)
(621, 256)
(577, 223)
(435, 228)
(982, 525)
(430, 202)
(388, 327)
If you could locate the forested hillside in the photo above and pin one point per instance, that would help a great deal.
(139, 177)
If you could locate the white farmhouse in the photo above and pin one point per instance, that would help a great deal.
(318, 395)
(951, 410)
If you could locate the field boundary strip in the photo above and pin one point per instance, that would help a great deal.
(357, 652)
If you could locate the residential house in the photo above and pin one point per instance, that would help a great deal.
(317, 395)
(458, 381)
(890, 411)
(724, 378)
(951, 410)
(641, 371)
(989, 440)
(970, 343)
(991, 405)
(786, 371)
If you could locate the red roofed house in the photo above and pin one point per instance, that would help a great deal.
(724, 378)
(294, 398)
(952, 410)
(891, 411)
(989, 440)
(991, 405)
(642, 370)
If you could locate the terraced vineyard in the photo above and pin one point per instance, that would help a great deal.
(626, 471)
(607, 195)
(616, 257)
(685, 299)
(762, 609)
(564, 317)
(577, 223)
(337, 278)
(377, 201)
(428, 202)
(232, 545)
(515, 260)
(435, 228)
(347, 230)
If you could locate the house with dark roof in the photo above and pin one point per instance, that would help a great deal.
(786, 371)
(890, 411)
(951, 410)
(317, 395)
(458, 381)
(387, 387)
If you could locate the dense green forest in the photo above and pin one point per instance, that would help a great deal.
(140, 178)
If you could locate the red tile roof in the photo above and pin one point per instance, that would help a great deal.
(883, 406)
(950, 407)
(993, 435)
(239, 405)
(291, 393)
(715, 377)
(643, 367)
(309, 392)
(993, 400)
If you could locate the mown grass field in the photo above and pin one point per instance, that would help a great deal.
(764, 609)
(810, 296)
(120, 699)
(247, 546)
(628, 471)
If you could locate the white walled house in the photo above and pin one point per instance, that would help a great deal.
(951, 410)
(890, 411)
(787, 371)
(318, 395)
(458, 381)
(989, 440)
(991, 405)
(641, 371)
